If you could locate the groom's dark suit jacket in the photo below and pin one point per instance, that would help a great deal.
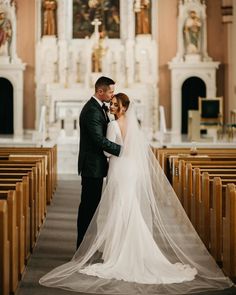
(93, 126)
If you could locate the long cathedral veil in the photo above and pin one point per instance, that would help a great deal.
(137, 174)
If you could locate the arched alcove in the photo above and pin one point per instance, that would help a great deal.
(192, 88)
(6, 107)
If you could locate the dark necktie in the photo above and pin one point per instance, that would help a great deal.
(105, 110)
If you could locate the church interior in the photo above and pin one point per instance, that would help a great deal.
(175, 59)
(165, 55)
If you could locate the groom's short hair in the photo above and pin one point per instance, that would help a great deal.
(103, 82)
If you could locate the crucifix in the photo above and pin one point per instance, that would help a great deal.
(96, 23)
(97, 48)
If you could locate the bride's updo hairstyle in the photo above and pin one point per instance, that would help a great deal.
(123, 100)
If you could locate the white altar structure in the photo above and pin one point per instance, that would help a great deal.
(191, 59)
(11, 67)
(66, 73)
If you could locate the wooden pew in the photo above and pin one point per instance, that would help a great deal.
(19, 156)
(34, 175)
(4, 249)
(195, 187)
(201, 202)
(51, 156)
(203, 196)
(195, 198)
(40, 163)
(4, 157)
(27, 181)
(206, 188)
(21, 207)
(229, 234)
(30, 209)
(40, 184)
(163, 154)
(10, 197)
(204, 210)
(206, 202)
(216, 219)
(20, 221)
(208, 208)
(205, 159)
(177, 167)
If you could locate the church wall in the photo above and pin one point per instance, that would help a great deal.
(167, 42)
(218, 48)
(26, 51)
(167, 34)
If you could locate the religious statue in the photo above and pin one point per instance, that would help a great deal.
(5, 34)
(142, 11)
(96, 60)
(49, 17)
(192, 31)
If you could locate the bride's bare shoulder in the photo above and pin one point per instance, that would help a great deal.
(121, 123)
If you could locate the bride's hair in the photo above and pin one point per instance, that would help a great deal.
(123, 100)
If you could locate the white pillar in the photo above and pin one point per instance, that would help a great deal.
(64, 12)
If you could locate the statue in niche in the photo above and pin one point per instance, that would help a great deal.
(86, 11)
(192, 33)
(142, 10)
(49, 17)
(5, 34)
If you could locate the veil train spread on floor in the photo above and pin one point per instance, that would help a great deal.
(140, 241)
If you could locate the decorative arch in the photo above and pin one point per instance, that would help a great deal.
(10, 78)
(192, 88)
(180, 72)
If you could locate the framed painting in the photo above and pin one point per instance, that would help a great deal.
(86, 11)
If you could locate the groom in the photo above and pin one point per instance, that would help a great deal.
(92, 164)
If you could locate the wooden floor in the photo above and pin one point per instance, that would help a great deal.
(56, 243)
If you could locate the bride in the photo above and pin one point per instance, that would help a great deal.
(140, 240)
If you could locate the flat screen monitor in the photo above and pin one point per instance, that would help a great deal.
(210, 108)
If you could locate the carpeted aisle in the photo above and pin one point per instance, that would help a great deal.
(56, 243)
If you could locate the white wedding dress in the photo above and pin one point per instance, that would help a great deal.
(140, 240)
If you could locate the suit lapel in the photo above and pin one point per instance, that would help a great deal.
(95, 103)
(107, 118)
